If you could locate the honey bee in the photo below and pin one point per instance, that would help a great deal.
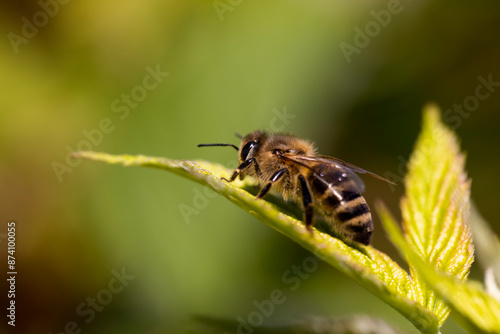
(326, 185)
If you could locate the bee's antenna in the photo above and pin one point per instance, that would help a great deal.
(234, 146)
(238, 135)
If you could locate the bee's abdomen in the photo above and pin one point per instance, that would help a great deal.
(352, 215)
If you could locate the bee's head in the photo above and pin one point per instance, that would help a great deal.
(250, 144)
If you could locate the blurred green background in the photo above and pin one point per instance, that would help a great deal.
(231, 69)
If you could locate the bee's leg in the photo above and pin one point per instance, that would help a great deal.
(241, 168)
(276, 176)
(257, 169)
(308, 203)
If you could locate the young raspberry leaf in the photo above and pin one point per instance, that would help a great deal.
(435, 208)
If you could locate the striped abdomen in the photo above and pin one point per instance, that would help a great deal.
(337, 196)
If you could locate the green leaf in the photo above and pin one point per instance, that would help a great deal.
(370, 268)
(435, 208)
(471, 305)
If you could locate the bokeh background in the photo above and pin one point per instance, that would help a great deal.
(234, 66)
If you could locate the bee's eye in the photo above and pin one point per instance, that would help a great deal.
(246, 149)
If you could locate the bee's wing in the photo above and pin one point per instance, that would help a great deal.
(354, 184)
(352, 167)
(349, 168)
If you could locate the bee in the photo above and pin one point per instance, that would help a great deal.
(326, 185)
